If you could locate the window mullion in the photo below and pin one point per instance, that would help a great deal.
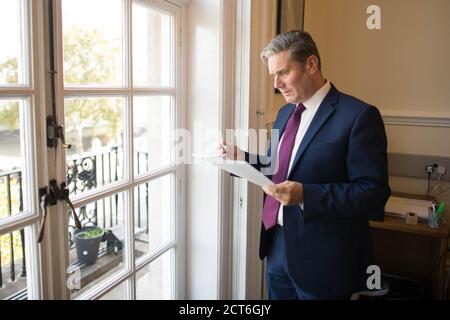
(129, 81)
(16, 92)
(154, 91)
(129, 217)
(26, 49)
(56, 166)
(95, 92)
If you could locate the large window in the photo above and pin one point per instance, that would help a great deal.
(18, 105)
(117, 97)
(120, 106)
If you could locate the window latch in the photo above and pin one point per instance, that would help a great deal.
(50, 198)
(60, 134)
(55, 131)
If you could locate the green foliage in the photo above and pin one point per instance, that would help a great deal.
(9, 114)
(89, 58)
(91, 233)
(12, 195)
(5, 239)
(9, 71)
(95, 117)
(5, 247)
(9, 110)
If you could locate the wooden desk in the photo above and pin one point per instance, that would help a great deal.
(415, 252)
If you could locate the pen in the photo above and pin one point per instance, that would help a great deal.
(225, 147)
(226, 150)
(441, 209)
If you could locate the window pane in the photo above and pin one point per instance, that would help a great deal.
(118, 293)
(153, 126)
(11, 159)
(155, 281)
(153, 214)
(152, 47)
(13, 273)
(13, 43)
(93, 42)
(94, 127)
(96, 255)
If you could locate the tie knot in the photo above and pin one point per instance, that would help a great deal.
(299, 109)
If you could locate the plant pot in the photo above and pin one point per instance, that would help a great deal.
(87, 247)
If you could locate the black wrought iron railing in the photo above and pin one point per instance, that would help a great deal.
(11, 194)
(85, 172)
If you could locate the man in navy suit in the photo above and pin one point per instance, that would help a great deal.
(331, 178)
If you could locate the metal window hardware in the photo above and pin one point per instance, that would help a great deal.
(60, 134)
(51, 132)
(55, 131)
(50, 198)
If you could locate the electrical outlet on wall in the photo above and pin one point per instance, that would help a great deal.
(441, 170)
(419, 166)
(430, 168)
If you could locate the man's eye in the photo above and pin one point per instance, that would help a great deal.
(284, 73)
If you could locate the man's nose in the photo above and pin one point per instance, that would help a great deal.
(277, 83)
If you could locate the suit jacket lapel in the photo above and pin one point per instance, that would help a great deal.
(284, 119)
(325, 111)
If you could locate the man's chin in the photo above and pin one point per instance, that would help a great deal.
(289, 99)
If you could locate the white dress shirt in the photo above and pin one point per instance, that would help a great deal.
(311, 107)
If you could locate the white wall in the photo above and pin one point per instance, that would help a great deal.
(402, 68)
(203, 99)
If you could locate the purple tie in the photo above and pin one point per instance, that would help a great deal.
(271, 206)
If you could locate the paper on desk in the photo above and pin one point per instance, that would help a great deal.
(239, 168)
(402, 206)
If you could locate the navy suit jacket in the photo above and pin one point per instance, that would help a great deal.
(342, 164)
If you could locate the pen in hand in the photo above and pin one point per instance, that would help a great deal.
(222, 150)
(230, 151)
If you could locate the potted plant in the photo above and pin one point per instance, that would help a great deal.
(87, 242)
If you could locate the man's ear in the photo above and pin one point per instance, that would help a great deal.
(312, 64)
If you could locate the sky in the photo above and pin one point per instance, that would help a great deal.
(105, 15)
(9, 29)
(87, 12)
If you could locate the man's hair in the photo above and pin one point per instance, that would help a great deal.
(299, 44)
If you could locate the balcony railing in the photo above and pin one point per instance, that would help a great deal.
(86, 172)
(11, 192)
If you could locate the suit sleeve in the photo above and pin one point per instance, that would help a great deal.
(258, 161)
(367, 190)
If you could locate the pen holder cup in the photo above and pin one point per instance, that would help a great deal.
(433, 218)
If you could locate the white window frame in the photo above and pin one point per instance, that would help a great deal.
(243, 278)
(33, 149)
(129, 182)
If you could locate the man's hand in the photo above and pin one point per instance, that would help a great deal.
(230, 151)
(287, 193)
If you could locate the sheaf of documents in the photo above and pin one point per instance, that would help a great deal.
(401, 206)
(239, 168)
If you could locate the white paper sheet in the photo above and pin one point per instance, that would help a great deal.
(401, 206)
(239, 168)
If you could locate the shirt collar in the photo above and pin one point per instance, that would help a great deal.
(314, 102)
